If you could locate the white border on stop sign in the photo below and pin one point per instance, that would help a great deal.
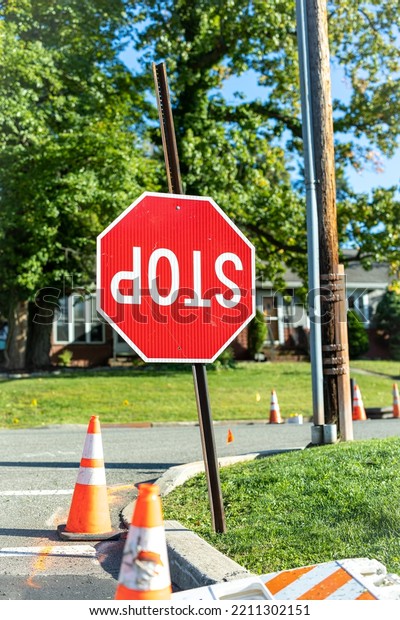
(180, 197)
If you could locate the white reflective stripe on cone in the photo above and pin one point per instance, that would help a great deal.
(93, 448)
(91, 475)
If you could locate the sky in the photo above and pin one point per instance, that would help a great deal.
(362, 181)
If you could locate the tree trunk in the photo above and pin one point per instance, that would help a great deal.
(17, 336)
(38, 352)
(41, 317)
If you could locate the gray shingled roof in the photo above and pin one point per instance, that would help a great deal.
(378, 277)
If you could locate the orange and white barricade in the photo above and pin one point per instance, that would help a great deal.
(337, 580)
(359, 579)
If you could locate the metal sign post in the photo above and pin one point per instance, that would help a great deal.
(312, 218)
(199, 370)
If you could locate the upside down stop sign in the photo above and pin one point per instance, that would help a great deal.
(175, 278)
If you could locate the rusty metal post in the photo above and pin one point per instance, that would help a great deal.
(336, 356)
(199, 370)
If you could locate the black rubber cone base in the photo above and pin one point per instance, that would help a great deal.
(85, 536)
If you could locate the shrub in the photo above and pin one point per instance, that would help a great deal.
(257, 332)
(387, 319)
(225, 360)
(64, 359)
(357, 335)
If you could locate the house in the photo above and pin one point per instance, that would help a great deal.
(286, 313)
(79, 329)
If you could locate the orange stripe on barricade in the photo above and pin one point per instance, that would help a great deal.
(366, 596)
(339, 580)
(285, 578)
(327, 586)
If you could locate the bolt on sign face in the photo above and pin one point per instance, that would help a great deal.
(175, 278)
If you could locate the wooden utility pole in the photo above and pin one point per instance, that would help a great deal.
(318, 45)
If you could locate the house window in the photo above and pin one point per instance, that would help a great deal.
(78, 321)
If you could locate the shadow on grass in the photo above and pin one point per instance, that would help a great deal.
(373, 373)
(151, 370)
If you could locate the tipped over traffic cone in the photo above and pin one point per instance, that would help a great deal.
(274, 412)
(144, 572)
(358, 405)
(396, 404)
(230, 437)
(89, 514)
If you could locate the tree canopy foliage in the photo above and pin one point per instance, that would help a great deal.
(79, 136)
(247, 153)
(69, 157)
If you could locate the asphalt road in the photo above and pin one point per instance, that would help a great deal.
(38, 470)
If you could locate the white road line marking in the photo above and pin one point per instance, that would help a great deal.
(38, 492)
(67, 550)
(30, 455)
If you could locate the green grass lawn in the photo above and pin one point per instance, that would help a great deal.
(305, 507)
(167, 394)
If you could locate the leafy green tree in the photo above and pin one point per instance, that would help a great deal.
(69, 159)
(73, 120)
(246, 152)
(387, 319)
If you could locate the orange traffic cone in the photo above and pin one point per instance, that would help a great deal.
(230, 437)
(144, 572)
(89, 514)
(274, 412)
(358, 405)
(396, 404)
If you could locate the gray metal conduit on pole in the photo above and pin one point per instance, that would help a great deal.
(312, 218)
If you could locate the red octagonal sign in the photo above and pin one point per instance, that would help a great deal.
(175, 278)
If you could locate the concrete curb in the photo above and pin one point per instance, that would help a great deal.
(194, 562)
